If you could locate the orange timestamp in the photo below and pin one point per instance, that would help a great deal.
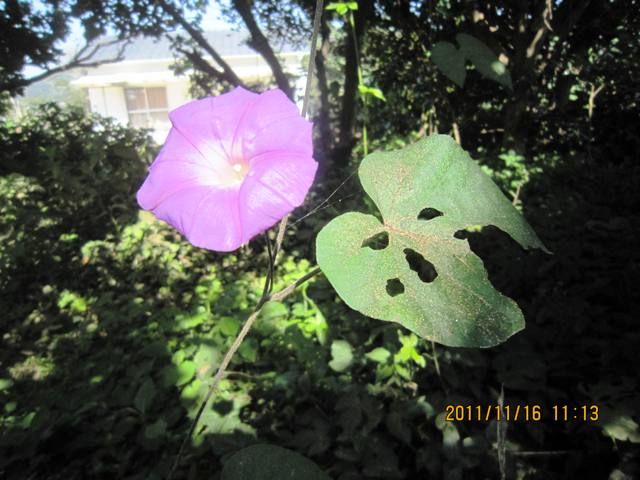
(526, 413)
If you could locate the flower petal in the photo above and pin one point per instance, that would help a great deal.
(276, 184)
(232, 166)
(207, 216)
(178, 166)
(211, 123)
(274, 124)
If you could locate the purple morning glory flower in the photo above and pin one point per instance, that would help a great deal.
(232, 166)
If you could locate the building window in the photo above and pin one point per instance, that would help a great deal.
(147, 107)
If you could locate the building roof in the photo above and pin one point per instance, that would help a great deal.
(225, 42)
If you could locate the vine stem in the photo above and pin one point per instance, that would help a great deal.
(278, 296)
(268, 285)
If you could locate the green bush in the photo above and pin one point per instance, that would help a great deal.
(65, 177)
(88, 166)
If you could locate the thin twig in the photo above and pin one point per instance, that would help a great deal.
(278, 296)
(280, 236)
(305, 105)
(456, 133)
(81, 59)
(268, 285)
(266, 295)
(326, 200)
(436, 364)
(317, 17)
(285, 292)
(435, 357)
(592, 98)
(501, 438)
(547, 453)
(516, 195)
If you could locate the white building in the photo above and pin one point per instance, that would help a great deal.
(141, 89)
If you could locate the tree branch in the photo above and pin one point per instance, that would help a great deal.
(197, 36)
(81, 59)
(201, 64)
(260, 44)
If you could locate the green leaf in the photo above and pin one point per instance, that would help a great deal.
(224, 417)
(229, 326)
(483, 58)
(191, 392)
(379, 355)
(342, 7)
(248, 350)
(189, 322)
(156, 430)
(622, 428)
(178, 357)
(268, 462)
(186, 371)
(5, 384)
(273, 310)
(342, 355)
(374, 92)
(207, 358)
(178, 375)
(144, 397)
(168, 376)
(450, 61)
(413, 268)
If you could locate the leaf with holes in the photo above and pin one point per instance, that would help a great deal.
(413, 268)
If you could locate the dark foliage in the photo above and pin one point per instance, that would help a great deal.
(112, 324)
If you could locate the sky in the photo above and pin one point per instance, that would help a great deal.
(212, 20)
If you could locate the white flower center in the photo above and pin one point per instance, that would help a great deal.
(240, 169)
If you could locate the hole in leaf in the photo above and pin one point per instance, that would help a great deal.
(394, 287)
(423, 267)
(510, 269)
(429, 214)
(379, 241)
(223, 407)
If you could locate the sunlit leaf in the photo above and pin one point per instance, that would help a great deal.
(379, 355)
(190, 392)
(186, 371)
(206, 359)
(374, 92)
(222, 418)
(272, 310)
(229, 326)
(623, 428)
(418, 272)
(342, 7)
(342, 355)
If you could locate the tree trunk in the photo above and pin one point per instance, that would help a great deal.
(260, 44)
(345, 145)
(322, 120)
